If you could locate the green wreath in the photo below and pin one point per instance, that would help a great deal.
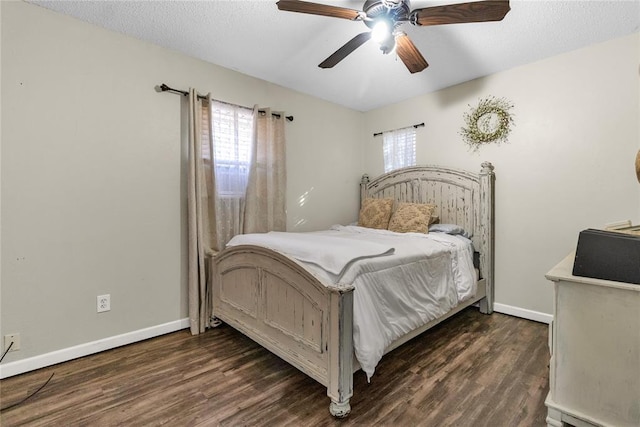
(489, 122)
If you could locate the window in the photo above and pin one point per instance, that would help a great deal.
(399, 148)
(232, 132)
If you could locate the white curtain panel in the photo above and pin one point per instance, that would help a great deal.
(232, 131)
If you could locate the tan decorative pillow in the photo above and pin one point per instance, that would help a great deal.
(434, 219)
(375, 213)
(411, 218)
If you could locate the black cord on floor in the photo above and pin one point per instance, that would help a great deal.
(6, 351)
(32, 394)
(28, 397)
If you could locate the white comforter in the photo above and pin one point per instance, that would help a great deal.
(396, 291)
(332, 252)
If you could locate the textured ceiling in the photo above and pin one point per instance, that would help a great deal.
(255, 38)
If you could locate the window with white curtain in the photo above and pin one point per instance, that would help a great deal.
(399, 148)
(232, 133)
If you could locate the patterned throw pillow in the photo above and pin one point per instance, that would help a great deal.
(375, 213)
(411, 218)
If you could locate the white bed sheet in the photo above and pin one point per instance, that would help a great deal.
(425, 277)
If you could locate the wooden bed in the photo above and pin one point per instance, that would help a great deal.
(277, 302)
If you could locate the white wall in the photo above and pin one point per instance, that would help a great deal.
(93, 176)
(568, 164)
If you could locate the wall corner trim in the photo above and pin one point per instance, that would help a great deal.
(81, 350)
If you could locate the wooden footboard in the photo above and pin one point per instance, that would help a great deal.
(274, 300)
(279, 304)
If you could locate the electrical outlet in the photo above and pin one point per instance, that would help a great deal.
(9, 338)
(104, 303)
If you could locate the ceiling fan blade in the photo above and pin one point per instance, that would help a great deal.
(345, 50)
(409, 54)
(478, 11)
(318, 9)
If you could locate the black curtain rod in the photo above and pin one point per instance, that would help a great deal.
(414, 126)
(164, 88)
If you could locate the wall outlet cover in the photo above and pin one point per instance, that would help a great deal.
(15, 338)
(103, 303)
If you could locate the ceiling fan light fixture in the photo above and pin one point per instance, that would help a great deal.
(381, 31)
(382, 34)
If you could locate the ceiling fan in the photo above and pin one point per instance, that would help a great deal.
(384, 18)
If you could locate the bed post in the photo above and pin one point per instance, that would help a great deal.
(340, 349)
(487, 179)
(364, 182)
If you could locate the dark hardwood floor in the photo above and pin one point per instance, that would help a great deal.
(472, 370)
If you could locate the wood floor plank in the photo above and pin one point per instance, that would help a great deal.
(472, 370)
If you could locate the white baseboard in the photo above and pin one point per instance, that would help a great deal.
(522, 312)
(32, 363)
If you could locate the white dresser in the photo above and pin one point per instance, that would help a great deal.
(594, 339)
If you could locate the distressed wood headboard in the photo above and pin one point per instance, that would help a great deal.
(461, 197)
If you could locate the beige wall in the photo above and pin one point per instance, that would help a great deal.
(1, 329)
(568, 164)
(93, 180)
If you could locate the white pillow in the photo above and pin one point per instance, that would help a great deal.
(454, 229)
